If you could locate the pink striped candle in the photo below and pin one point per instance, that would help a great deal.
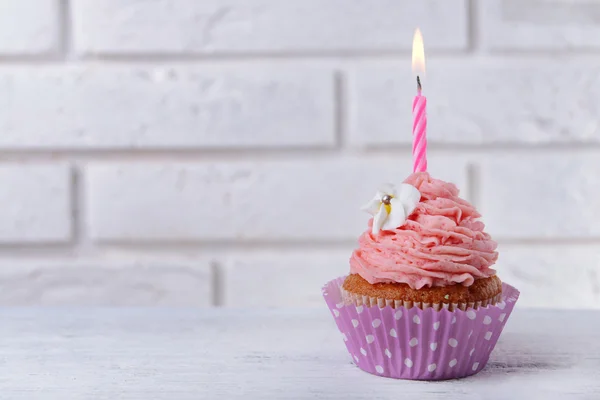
(419, 148)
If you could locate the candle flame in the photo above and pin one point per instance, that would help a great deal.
(418, 54)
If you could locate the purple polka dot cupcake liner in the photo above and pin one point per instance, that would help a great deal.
(419, 344)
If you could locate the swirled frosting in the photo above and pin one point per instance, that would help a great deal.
(441, 243)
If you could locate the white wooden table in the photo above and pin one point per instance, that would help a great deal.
(294, 354)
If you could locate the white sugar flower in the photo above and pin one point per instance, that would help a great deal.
(390, 207)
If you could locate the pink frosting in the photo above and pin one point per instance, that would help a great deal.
(441, 243)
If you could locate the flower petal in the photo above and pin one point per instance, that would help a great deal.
(378, 220)
(387, 188)
(372, 206)
(409, 196)
(396, 217)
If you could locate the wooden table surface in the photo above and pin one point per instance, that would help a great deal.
(268, 354)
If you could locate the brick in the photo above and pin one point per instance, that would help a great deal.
(92, 283)
(477, 103)
(154, 107)
(29, 27)
(306, 200)
(541, 196)
(539, 25)
(550, 276)
(36, 203)
(282, 280)
(245, 26)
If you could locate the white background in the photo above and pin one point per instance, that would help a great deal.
(216, 152)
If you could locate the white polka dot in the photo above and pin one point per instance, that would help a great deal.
(379, 369)
(376, 322)
(339, 305)
(471, 314)
(501, 317)
(370, 338)
(436, 326)
(433, 346)
(501, 305)
(416, 319)
(359, 309)
(453, 342)
(363, 351)
(356, 358)
(487, 320)
(453, 320)
(470, 333)
(431, 367)
(453, 362)
(413, 342)
(488, 335)
(355, 323)
(398, 314)
(475, 366)
(388, 353)
(408, 362)
(393, 333)
(471, 352)
(336, 313)
(345, 337)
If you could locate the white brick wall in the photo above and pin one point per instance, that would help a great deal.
(557, 193)
(539, 25)
(295, 200)
(97, 106)
(479, 102)
(245, 26)
(36, 203)
(215, 153)
(105, 283)
(554, 275)
(30, 27)
(289, 279)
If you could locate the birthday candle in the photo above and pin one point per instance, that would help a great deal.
(419, 149)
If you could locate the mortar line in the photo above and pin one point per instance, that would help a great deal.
(554, 241)
(276, 154)
(341, 109)
(258, 55)
(492, 148)
(59, 253)
(494, 58)
(217, 284)
(66, 27)
(473, 26)
(83, 242)
(473, 184)
(75, 205)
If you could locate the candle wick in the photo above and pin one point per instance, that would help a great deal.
(418, 83)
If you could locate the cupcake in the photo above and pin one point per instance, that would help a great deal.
(421, 300)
